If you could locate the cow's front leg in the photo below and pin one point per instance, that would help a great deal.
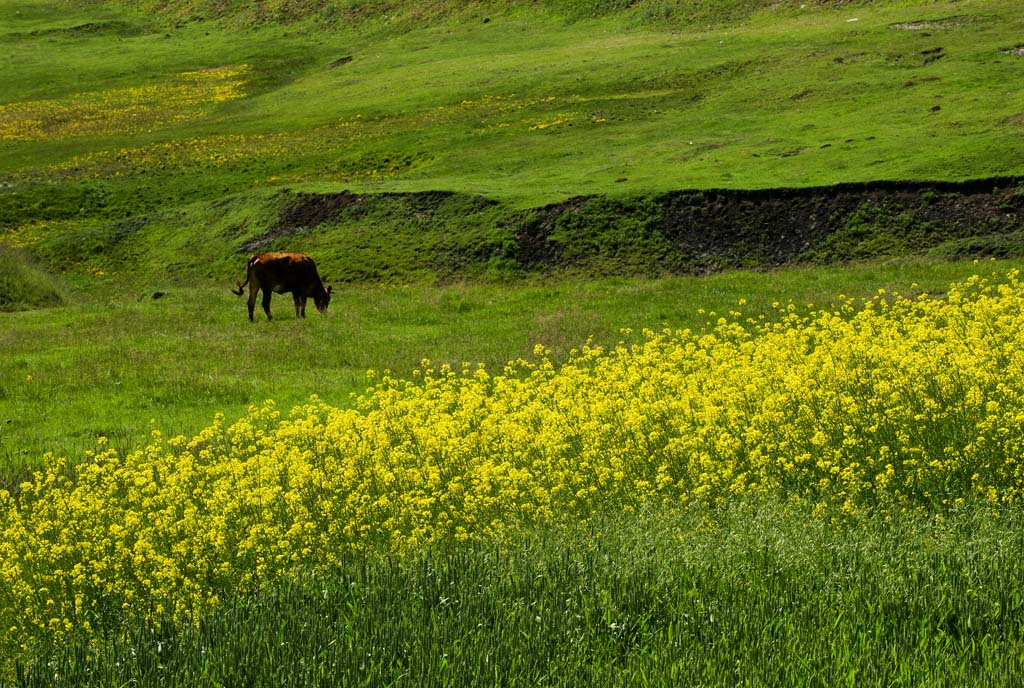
(300, 310)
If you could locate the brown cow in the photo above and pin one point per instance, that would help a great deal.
(284, 272)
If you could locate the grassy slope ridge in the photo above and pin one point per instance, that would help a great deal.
(418, 12)
(435, 237)
(23, 284)
(174, 121)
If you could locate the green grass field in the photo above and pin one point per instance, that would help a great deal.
(147, 147)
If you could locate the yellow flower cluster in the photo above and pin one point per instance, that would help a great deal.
(560, 118)
(494, 112)
(25, 235)
(896, 403)
(124, 110)
(198, 152)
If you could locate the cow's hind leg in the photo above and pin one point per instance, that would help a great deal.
(252, 299)
(266, 302)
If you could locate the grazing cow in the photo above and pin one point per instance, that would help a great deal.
(284, 272)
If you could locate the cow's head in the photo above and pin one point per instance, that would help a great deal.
(323, 299)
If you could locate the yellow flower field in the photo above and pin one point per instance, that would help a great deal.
(124, 110)
(870, 408)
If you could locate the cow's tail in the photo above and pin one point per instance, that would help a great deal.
(241, 285)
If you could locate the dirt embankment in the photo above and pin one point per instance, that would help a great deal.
(701, 231)
(681, 232)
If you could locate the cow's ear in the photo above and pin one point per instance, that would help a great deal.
(329, 288)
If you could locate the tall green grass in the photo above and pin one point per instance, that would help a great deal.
(745, 595)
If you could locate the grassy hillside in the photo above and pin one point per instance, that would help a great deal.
(158, 116)
(794, 471)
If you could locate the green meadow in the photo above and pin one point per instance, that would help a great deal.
(146, 148)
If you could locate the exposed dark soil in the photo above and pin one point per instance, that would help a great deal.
(308, 211)
(681, 232)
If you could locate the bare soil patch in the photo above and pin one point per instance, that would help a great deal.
(935, 24)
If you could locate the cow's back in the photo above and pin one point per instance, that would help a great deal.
(283, 272)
